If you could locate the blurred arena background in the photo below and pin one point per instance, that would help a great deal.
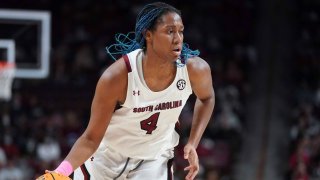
(265, 60)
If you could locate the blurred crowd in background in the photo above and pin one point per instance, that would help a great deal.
(44, 117)
(304, 158)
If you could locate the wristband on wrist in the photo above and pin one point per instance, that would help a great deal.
(65, 168)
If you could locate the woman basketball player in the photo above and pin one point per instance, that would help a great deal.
(151, 82)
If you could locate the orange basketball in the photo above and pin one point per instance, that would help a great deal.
(53, 176)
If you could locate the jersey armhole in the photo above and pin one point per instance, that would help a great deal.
(127, 62)
(188, 79)
(129, 69)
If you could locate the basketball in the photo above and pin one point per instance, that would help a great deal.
(53, 176)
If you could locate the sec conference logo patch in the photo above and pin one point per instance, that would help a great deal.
(181, 84)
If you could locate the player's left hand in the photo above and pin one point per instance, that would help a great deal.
(190, 153)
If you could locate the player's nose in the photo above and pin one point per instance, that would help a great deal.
(178, 38)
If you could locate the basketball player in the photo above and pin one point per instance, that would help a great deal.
(151, 83)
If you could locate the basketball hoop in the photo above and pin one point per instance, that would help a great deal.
(7, 71)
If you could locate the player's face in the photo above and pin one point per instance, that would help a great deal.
(167, 38)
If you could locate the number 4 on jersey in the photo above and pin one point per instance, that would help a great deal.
(150, 124)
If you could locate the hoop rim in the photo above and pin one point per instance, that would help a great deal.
(7, 70)
(5, 64)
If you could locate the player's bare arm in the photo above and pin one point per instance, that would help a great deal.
(111, 89)
(201, 82)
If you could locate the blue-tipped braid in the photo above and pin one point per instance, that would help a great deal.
(125, 43)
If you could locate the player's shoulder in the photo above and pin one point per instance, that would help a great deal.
(197, 65)
(113, 81)
(116, 72)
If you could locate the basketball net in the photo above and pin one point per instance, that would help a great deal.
(7, 71)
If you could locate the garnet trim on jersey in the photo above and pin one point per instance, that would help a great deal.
(177, 127)
(126, 60)
(85, 172)
(71, 175)
(170, 173)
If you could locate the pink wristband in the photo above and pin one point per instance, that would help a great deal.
(64, 168)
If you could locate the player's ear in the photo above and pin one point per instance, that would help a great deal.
(147, 35)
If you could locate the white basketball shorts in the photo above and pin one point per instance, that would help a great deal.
(110, 165)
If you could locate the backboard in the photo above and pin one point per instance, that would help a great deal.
(25, 36)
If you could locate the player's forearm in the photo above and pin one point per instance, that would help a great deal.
(81, 151)
(202, 113)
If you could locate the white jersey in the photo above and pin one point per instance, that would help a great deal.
(144, 126)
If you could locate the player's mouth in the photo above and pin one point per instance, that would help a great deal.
(177, 51)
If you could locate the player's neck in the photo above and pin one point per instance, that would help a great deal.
(153, 61)
(153, 65)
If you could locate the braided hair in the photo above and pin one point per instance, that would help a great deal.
(146, 20)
